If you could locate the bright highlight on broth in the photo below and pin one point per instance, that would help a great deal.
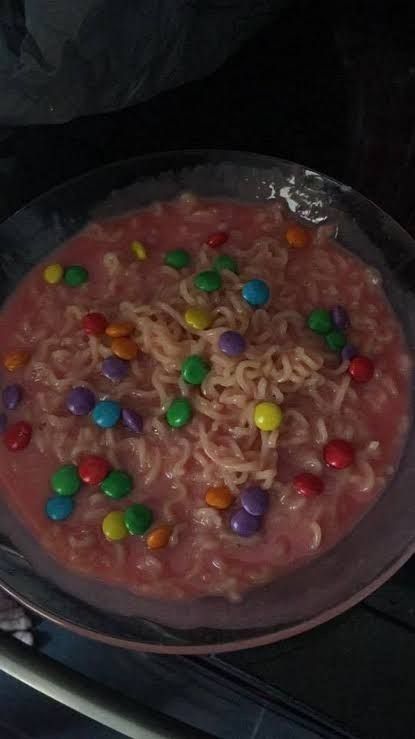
(205, 395)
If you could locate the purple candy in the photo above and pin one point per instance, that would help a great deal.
(348, 352)
(114, 368)
(232, 343)
(132, 420)
(255, 500)
(80, 401)
(339, 317)
(243, 524)
(3, 422)
(12, 395)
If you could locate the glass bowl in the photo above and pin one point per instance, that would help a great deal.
(382, 541)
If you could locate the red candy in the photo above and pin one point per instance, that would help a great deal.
(339, 454)
(308, 485)
(361, 369)
(17, 436)
(217, 239)
(94, 324)
(93, 469)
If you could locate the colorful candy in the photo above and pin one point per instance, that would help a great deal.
(179, 413)
(336, 340)
(93, 469)
(256, 293)
(348, 352)
(94, 324)
(219, 497)
(224, 261)
(198, 318)
(298, 237)
(195, 369)
(159, 538)
(138, 519)
(17, 437)
(117, 484)
(338, 453)
(114, 369)
(59, 508)
(106, 413)
(66, 480)
(53, 273)
(219, 238)
(232, 343)
(120, 329)
(12, 396)
(254, 500)
(16, 360)
(124, 348)
(267, 416)
(80, 401)
(132, 420)
(308, 485)
(361, 369)
(139, 250)
(339, 317)
(320, 321)
(208, 281)
(243, 524)
(113, 526)
(177, 258)
(3, 423)
(76, 275)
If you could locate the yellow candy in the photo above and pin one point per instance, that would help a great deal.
(198, 318)
(267, 416)
(53, 273)
(139, 250)
(114, 527)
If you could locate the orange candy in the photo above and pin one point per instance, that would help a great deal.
(298, 237)
(15, 360)
(124, 348)
(119, 330)
(220, 497)
(159, 538)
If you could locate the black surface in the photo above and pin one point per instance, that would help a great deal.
(333, 88)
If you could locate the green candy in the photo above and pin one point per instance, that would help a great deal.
(76, 276)
(117, 484)
(179, 413)
(195, 369)
(178, 258)
(320, 321)
(66, 480)
(224, 261)
(208, 281)
(336, 340)
(138, 518)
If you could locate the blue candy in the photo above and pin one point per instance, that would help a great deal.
(106, 413)
(60, 507)
(256, 293)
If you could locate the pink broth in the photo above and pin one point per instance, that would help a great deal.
(285, 362)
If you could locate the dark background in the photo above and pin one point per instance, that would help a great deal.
(331, 86)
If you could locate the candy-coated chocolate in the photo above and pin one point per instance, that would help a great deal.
(219, 497)
(17, 437)
(106, 413)
(267, 416)
(80, 401)
(256, 293)
(93, 469)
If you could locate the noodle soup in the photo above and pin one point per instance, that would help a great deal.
(236, 457)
